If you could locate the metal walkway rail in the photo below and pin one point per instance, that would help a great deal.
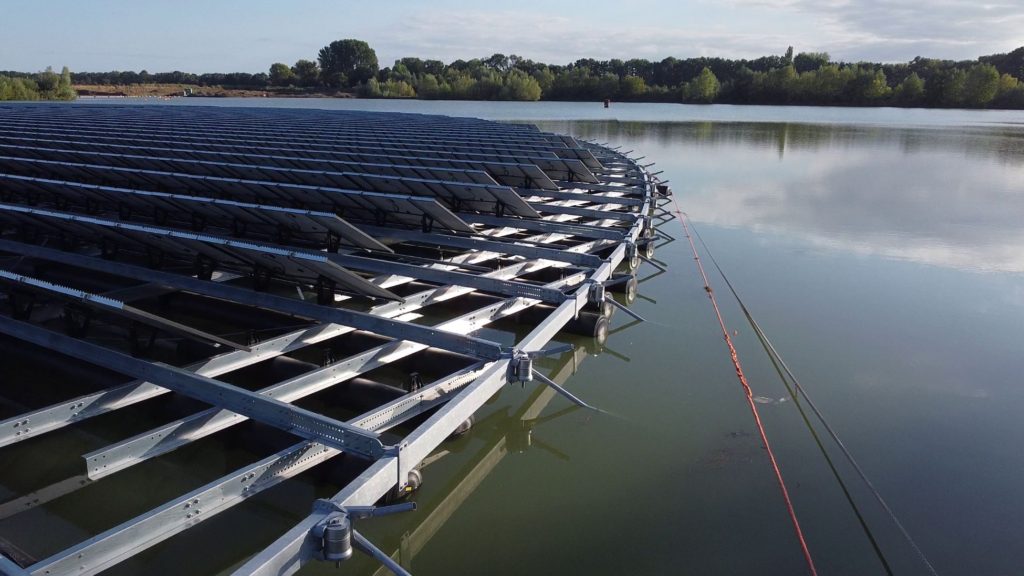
(194, 248)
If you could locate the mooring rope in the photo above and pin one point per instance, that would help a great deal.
(749, 394)
(831, 432)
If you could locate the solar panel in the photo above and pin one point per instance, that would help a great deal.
(228, 213)
(550, 165)
(188, 246)
(410, 143)
(379, 207)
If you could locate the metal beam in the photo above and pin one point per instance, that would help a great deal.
(56, 416)
(503, 287)
(161, 523)
(582, 194)
(64, 413)
(297, 546)
(472, 346)
(581, 230)
(123, 541)
(116, 307)
(512, 247)
(585, 212)
(173, 435)
(298, 421)
(9, 568)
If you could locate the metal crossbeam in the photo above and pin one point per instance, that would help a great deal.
(116, 307)
(56, 416)
(298, 421)
(213, 166)
(581, 230)
(516, 248)
(118, 543)
(166, 438)
(297, 546)
(472, 346)
(503, 287)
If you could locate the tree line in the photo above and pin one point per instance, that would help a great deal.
(45, 85)
(806, 78)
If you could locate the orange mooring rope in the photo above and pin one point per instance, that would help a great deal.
(748, 392)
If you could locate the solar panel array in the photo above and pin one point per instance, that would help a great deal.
(341, 221)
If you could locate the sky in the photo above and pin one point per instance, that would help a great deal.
(249, 35)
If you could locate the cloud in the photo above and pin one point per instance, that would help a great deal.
(874, 30)
(560, 40)
(896, 30)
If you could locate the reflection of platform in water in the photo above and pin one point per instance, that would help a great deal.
(517, 437)
(342, 260)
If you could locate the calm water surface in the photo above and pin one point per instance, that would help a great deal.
(881, 250)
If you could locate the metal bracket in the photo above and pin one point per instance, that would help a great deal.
(632, 256)
(395, 451)
(520, 369)
(596, 293)
(325, 288)
(338, 537)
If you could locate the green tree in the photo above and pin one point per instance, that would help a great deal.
(809, 61)
(867, 86)
(18, 89)
(398, 89)
(347, 62)
(371, 89)
(545, 78)
(777, 86)
(498, 62)
(48, 82)
(608, 85)
(703, 88)
(946, 88)
(307, 73)
(64, 89)
(520, 86)
(826, 85)
(1010, 93)
(910, 92)
(281, 74)
(428, 87)
(981, 85)
(631, 87)
(1007, 83)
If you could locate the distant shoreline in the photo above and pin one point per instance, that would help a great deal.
(169, 91)
(192, 90)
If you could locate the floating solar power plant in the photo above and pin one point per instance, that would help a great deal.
(183, 271)
(550, 164)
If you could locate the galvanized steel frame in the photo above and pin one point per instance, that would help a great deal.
(612, 213)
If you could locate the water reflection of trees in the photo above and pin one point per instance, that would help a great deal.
(1003, 143)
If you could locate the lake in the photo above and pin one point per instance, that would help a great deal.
(881, 250)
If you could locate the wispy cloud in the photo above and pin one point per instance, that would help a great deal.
(559, 39)
(879, 30)
(902, 29)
